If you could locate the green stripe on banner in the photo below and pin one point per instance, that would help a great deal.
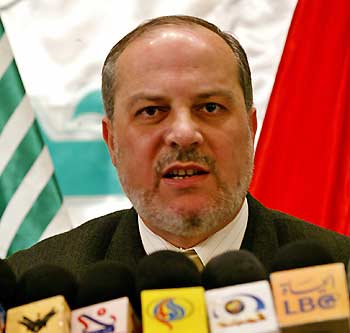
(11, 92)
(2, 30)
(38, 218)
(19, 169)
(20, 163)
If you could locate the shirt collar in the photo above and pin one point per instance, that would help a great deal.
(228, 238)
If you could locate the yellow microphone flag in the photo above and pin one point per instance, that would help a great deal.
(180, 310)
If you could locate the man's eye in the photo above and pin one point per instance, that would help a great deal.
(211, 107)
(149, 111)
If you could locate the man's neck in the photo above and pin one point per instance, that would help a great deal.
(228, 238)
(195, 238)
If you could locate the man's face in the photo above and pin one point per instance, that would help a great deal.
(181, 138)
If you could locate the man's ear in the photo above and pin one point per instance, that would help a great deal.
(253, 122)
(108, 136)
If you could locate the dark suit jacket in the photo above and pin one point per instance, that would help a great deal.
(116, 237)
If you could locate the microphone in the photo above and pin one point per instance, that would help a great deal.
(7, 291)
(309, 289)
(238, 295)
(232, 268)
(299, 254)
(172, 299)
(45, 288)
(104, 291)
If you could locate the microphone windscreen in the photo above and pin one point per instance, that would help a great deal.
(232, 268)
(104, 281)
(7, 285)
(44, 281)
(299, 254)
(166, 269)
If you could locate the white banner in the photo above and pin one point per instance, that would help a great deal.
(60, 46)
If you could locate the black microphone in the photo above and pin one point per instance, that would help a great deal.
(103, 281)
(231, 268)
(105, 297)
(310, 290)
(7, 291)
(166, 269)
(171, 296)
(299, 254)
(45, 291)
(238, 295)
(44, 281)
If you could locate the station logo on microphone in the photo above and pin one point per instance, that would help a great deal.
(247, 306)
(111, 316)
(46, 315)
(311, 295)
(174, 310)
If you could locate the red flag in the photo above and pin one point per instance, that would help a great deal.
(302, 163)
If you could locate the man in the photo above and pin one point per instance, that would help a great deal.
(180, 127)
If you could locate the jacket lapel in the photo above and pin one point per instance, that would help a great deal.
(126, 245)
(260, 237)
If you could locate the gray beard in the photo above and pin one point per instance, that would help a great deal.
(214, 216)
(222, 209)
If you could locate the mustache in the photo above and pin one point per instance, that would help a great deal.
(178, 154)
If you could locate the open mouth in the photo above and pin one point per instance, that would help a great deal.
(184, 173)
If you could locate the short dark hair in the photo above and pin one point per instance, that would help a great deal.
(109, 80)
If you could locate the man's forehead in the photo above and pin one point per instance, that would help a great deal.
(181, 49)
(189, 32)
(172, 33)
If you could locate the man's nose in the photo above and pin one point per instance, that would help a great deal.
(183, 130)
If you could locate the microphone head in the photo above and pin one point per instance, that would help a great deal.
(103, 281)
(44, 281)
(299, 254)
(232, 268)
(166, 269)
(7, 285)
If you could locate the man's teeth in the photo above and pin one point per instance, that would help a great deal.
(181, 173)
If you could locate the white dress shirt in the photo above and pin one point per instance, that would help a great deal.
(226, 239)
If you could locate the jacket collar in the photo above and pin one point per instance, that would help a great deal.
(260, 237)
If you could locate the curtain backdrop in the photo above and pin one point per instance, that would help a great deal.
(303, 156)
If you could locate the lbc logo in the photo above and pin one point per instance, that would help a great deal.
(308, 304)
